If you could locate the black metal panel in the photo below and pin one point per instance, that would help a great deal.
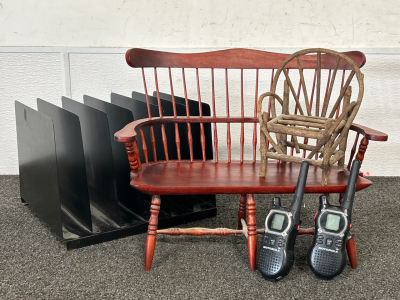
(74, 195)
(118, 117)
(98, 157)
(172, 206)
(139, 111)
(38, 165)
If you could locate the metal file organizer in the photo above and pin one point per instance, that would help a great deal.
(75, 177)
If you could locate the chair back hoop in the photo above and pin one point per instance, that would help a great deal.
(340, 57)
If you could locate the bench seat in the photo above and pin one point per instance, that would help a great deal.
(198, 177)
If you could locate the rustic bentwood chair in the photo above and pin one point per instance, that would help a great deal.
(235, 167)
(330, 130)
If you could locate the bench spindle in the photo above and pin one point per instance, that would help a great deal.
(152, 136)
(318, 84)
(228, 128)
(214, 115)
(325, 104)
(331, 87)
(242, 115)
(190, 139)
(164, 135)
(311, 106)
(341, 88)
(202, 136)
(144, 147)
(255, 124)
(177, 138)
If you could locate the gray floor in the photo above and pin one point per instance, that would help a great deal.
(35, 265)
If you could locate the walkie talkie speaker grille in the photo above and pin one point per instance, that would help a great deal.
(326, 263)
(270, 262)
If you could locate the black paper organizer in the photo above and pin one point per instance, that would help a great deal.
(75, 177)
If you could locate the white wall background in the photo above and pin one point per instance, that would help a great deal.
(36, 34)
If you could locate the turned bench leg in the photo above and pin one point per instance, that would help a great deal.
(351, 252)
(152, 232)
(242, 210)
(251, 231)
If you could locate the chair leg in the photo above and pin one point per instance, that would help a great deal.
(242, 210)
(152, 232)
(251, 231)
(351, 252)
(325, 162)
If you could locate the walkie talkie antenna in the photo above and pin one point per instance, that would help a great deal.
(299, 192)
(348, 198)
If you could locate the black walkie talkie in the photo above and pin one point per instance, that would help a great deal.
(327, 256)
(275, 256)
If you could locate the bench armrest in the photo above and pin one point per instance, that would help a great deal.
(128, 133)
(369, 134)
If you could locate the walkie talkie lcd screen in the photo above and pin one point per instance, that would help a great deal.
(277, 222)
(332, 222)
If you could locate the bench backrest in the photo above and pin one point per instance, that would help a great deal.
(230, 81)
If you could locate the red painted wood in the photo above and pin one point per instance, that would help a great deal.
(306, 231)
(214, 115)
(144, 146)
(242, 115)
(241, 210)
(128, 133)
(295, 111)
(353, 151)
(145, 92)
(368, 133)
(228, 126)
(341, 87)
(235, 178)
(361, 149)
(232, 59)
(134, 162)
(197, 231)
(251, 231)
(153, 143)
(351, 252)
(269, 100)
(255, 133)
(164, 135)
(232, 177)
(152, 231)
(190, 139)
(202, 136)
(177, 137)
(311, 105)
(326, 93)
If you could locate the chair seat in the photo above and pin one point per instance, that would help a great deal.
(313, 127)
(198, 177)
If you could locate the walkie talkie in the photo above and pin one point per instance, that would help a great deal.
(275, 256)
(327, 256)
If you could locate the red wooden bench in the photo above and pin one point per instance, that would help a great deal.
(210, 77)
